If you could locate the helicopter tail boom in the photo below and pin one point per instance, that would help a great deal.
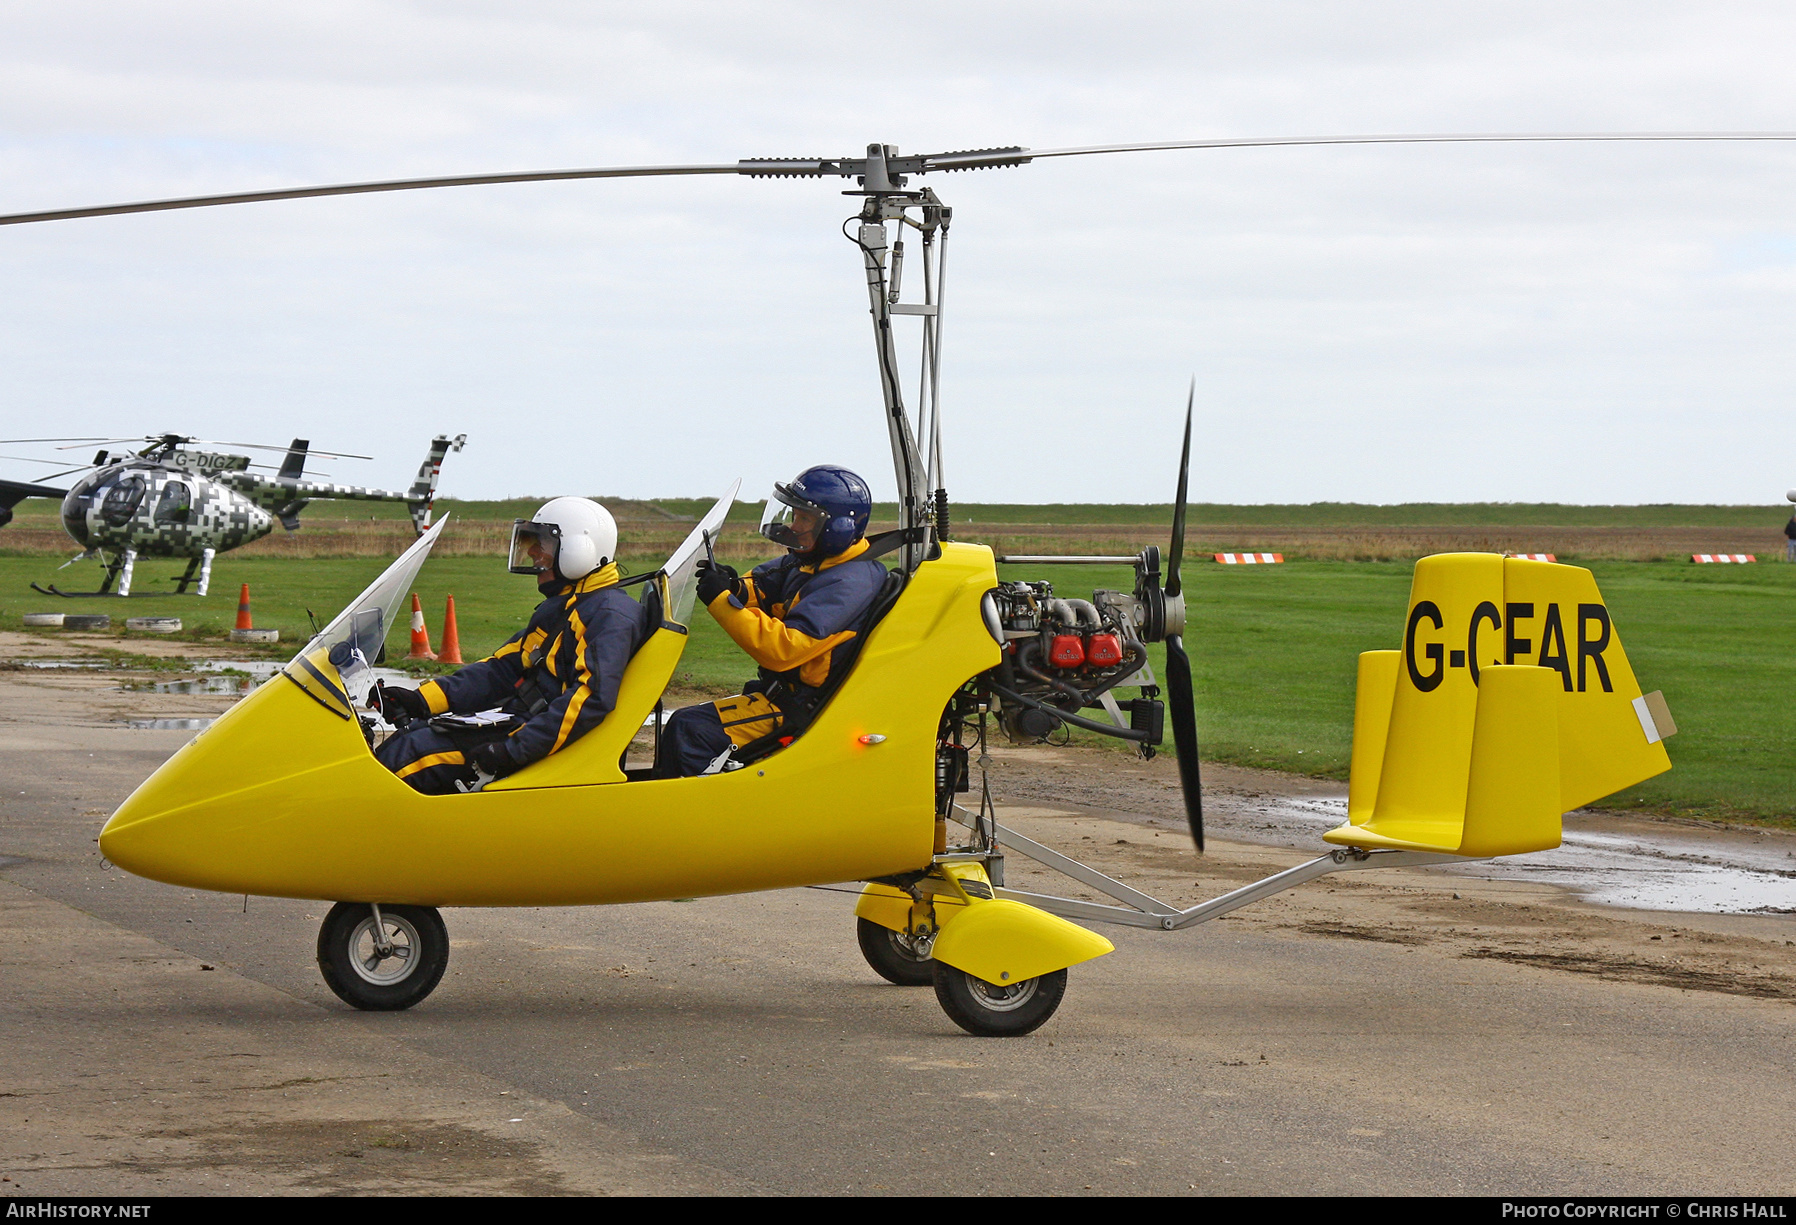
(285, 494)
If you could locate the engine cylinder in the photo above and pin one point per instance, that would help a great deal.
(1067, 651)
(1103, 650)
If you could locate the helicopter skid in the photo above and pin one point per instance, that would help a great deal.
(52, 589)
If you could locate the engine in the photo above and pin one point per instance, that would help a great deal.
(1061, 656)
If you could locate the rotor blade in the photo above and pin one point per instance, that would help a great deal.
(1441, 138)
(11, 441)
(355, 189)
(1182, 710)
(261, 446)
(1174, 585)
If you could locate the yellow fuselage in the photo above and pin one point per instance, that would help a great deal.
(282, 797)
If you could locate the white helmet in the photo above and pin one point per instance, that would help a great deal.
(577, 535)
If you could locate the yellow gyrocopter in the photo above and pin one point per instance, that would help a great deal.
(1508, 702)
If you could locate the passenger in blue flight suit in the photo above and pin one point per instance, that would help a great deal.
(791, 615)
(556, 679)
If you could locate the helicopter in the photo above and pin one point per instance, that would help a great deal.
(1509, 702)
(165, 499)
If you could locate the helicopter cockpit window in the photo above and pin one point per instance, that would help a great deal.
(122, 501)
(337, 666)
(175, 504)
(682, 564)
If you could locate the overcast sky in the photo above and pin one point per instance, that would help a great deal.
(1504, 323)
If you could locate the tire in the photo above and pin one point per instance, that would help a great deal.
(360, 977)
(987, 1011)
(892, 955)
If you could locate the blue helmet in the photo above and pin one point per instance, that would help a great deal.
(837, 495)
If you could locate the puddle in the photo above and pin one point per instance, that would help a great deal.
(1720, 873)
(83, 665)
(238, 685)
(229, 679)
(258, 669)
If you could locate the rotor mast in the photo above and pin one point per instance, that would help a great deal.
(922, 518)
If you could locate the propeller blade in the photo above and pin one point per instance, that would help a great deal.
(1441, 138)
(1181, 708)
(1174, 585)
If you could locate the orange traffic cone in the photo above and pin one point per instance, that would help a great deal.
(451, 653)
(420, 635)
(243, 621)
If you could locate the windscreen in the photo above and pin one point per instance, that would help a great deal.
(336, 667)
(682, 565)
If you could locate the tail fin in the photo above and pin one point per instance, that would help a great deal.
(294, 466)
(424, 490)
(1510, 702)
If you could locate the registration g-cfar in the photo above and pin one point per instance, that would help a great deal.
(1510, 703)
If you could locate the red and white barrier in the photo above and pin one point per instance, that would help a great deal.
(1532, 556)
(1738, 558)
(1251, 559)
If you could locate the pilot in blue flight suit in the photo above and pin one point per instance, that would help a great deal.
(791, 615)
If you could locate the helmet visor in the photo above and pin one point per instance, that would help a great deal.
(534, 547)
(791, 520)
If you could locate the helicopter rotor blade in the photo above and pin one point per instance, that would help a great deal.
(1422, 138)
(262, 446)
(1174, 585)
(11, 441)
(1181, 708)
(355, 189)
(882, 168)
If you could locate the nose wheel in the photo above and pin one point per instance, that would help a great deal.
(988, 1010)
(382, 958)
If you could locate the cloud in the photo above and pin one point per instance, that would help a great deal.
(1577, 323)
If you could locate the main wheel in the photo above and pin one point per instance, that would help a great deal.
(893, 955)
(989, 1011)
(366, 975)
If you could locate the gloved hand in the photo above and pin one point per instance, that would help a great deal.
(396, 703)
(495, 758)
(715, 578)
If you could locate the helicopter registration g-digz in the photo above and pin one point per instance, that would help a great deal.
(1508, 702)
(167, 500)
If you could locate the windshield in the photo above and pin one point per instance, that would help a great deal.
(336, 667)
(682, 566)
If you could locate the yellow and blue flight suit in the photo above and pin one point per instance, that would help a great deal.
(558, 677)
(791, 617)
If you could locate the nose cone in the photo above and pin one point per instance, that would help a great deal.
(74, 512)
(230, 811)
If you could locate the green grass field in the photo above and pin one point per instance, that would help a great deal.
(1274, 648)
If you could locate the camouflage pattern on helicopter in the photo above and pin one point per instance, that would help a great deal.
(165, 500)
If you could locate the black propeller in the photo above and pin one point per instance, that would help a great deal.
(1180, 705)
